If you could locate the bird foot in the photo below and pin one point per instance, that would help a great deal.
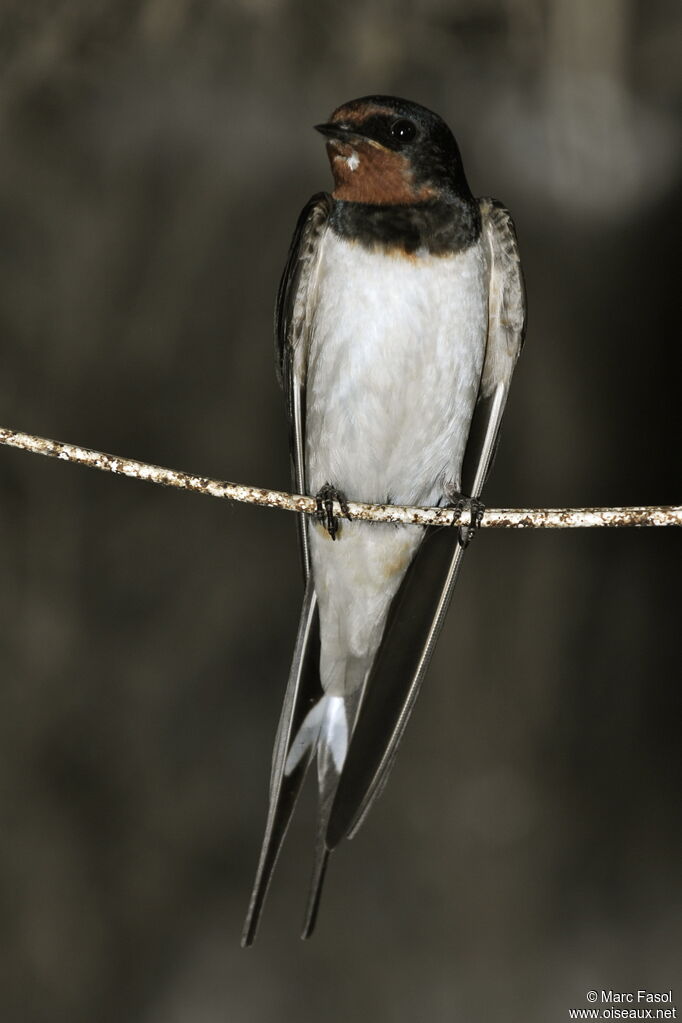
(324, 513)
(474, 507)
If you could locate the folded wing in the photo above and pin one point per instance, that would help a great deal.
(304, 688)
(420, 606)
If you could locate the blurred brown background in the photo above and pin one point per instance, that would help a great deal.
(153, 160)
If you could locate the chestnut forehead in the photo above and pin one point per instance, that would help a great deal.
(357, 114)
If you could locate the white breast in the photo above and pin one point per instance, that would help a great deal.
(394, 360)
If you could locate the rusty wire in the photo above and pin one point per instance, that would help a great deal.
(496, 518)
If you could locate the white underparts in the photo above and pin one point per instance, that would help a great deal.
(395, 349)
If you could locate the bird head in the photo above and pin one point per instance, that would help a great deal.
(387, 150)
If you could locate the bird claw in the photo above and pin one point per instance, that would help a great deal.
(475, 509)
(324, 512)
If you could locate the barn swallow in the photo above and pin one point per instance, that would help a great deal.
(399, 319)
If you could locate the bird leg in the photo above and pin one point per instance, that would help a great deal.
(324, 513)
(459, 501)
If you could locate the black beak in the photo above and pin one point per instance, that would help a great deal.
(339, 131)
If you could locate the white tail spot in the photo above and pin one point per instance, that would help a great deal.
(325, 722)
(335, 730)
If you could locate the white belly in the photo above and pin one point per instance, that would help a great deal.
(394, 361)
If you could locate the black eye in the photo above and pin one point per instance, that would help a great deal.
(403, 130)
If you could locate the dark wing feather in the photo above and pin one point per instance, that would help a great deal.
(303, 689)
(290, 324)
(419, 608)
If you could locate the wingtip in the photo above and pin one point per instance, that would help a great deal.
(315, 895)
(255, 909)
(279, 815)
(285, 788)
